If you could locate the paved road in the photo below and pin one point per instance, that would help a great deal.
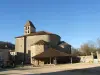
(68, 69)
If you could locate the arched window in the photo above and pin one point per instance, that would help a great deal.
(28, 31)
(28, 27)
(25, 28)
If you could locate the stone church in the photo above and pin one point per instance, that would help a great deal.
(33, 43)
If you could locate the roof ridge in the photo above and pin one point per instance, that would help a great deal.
(40, 42)
(29, 23)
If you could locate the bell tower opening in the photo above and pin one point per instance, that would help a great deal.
(29, 28)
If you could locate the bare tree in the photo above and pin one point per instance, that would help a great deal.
(76, 52)
(87, 48)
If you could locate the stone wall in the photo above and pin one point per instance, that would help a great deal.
(86, 59)
(4, 54)
(98, 56)
(19, 45)
(35, 50)
(90, 59)
(25, 43)
(53, 39)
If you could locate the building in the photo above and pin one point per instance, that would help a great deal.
(35, 42)
(4, 56)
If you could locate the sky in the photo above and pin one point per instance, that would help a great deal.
(76, 21)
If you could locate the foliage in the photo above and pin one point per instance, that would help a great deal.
(6, 45)
(87, 48)
(76, 52)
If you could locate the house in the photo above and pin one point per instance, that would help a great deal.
(34, 42)
(4, 56)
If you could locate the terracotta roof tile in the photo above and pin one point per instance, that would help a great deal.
(64, 43)
(41, 42)
(36, 33)
(51, 53)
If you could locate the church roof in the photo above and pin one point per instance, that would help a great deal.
(29, 23)
(41, 42)
(64, 43)
(40, 33)
(37, 33)
(51, 52)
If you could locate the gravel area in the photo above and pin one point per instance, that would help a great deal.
(66, 69)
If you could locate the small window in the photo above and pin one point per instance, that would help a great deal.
(28, 27)
(28, 31)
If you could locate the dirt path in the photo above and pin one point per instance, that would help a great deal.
(70, 69)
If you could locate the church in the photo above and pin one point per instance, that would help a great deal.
(39, 47)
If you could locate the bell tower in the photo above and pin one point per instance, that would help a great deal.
(29, 28)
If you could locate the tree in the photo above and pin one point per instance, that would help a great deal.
(75, 52)
(87, 48)
(6, 45)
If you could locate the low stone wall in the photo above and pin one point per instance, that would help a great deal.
(98, 56)
(38, 63)
(86, 59)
